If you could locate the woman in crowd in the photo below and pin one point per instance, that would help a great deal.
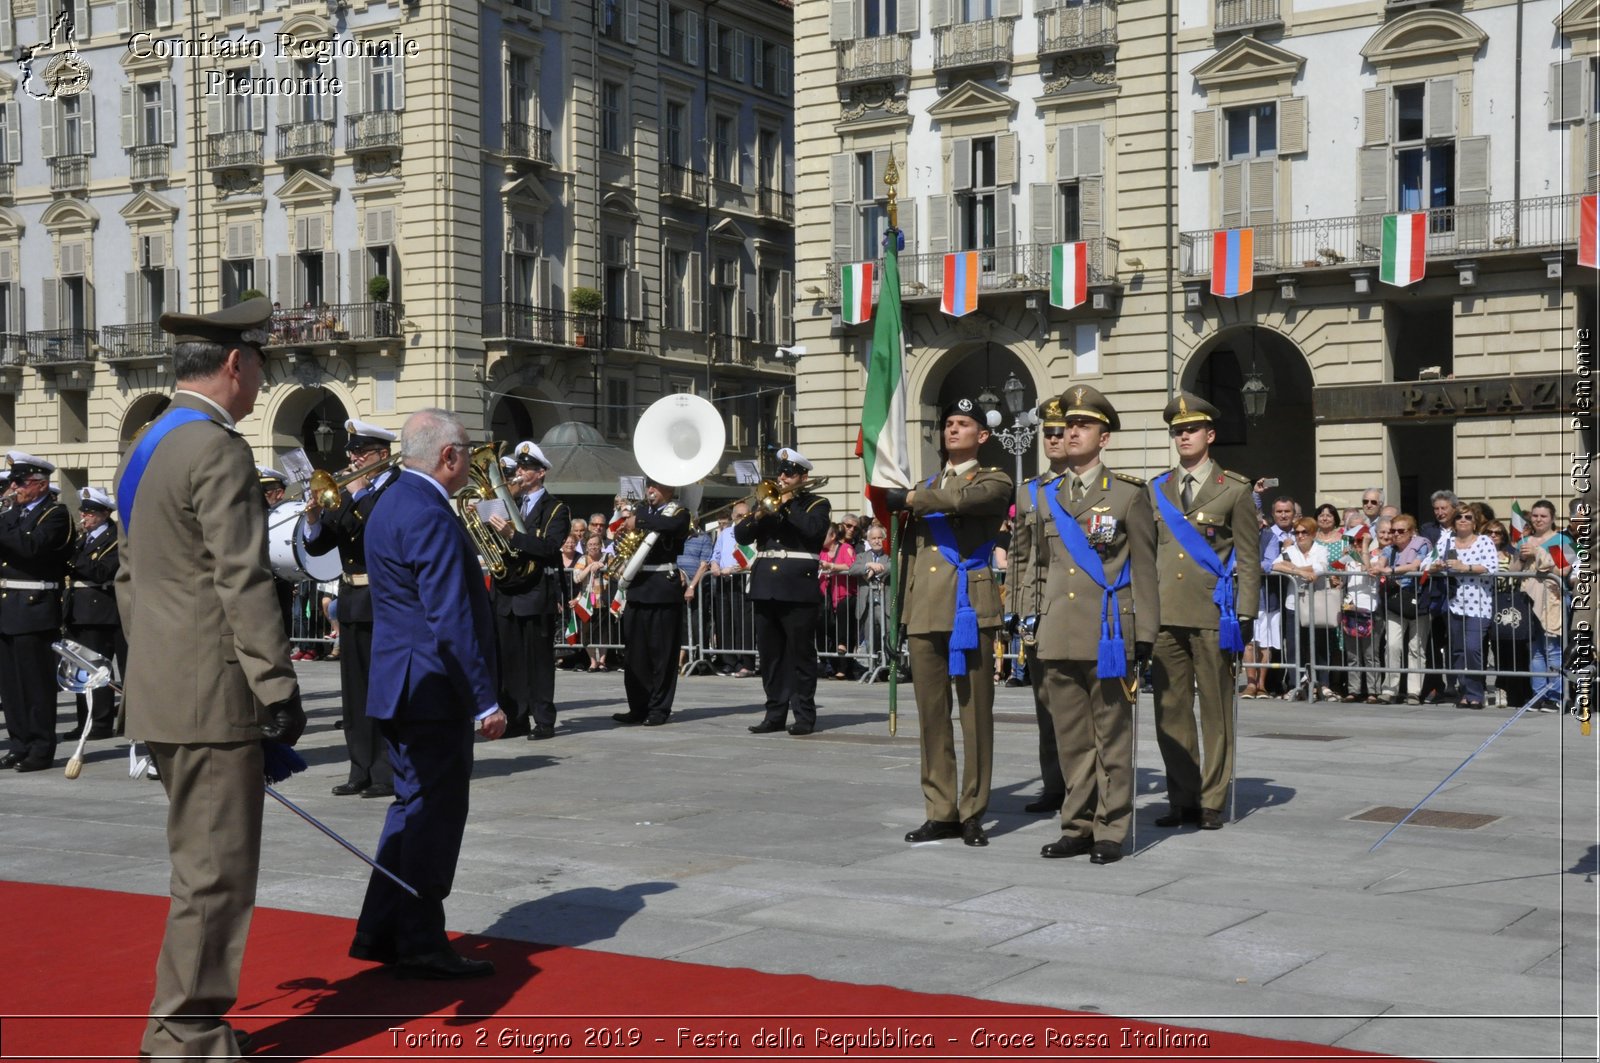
(593, 595)
(1549, 553)
(1510, 619)
(571, 550)
(1361, 624)
(835, 633)
(1304, 559)
(1467, 561)
(1330, 535)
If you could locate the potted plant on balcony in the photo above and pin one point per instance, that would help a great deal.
(586, 303)
(382, 313)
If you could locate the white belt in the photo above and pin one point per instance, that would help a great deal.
(793, 555)
(358, 579)
(93, 586)
(27, 585)
(658, 568)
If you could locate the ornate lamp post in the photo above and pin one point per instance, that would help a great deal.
(1018, 439)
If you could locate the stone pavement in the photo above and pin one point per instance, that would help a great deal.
(700, 842)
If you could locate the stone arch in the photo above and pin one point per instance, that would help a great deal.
(139, 412)
(291, 409)
(984, 355)
(1424, 34)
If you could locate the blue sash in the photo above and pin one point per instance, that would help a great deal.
(964, 632)
(1229, 637)
(1113, 662)
(128, 484)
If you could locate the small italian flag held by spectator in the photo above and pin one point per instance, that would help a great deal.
(855, 292)
(572, 630)
(1405, 248)
(619, 520)
(581, 611)
(1519, 522)
(744, 556)
(617, 602)
(1589, 231)
(1069, 275)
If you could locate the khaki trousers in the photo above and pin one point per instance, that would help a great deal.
(215, 794)
(1189, 660)
(974, 692)
(1094, 738)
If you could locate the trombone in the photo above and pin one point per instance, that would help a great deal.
(324, 486)
(766, 498)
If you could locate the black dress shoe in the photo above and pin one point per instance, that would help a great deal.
(345, 789)
(98, 733)
(10, 760)
(542, 732)
(1066, 846)
(799, 729)
(1046, 803)
(972, 833)
(627, 718)
(370, 950)
(377, 791)
(1210, 819)
(656, 719)
(517, 727)
(1178, 816)
(73, 735)
(933, 830)
(34, 764)
(766, 727)
(1105, 853)
(444, 965)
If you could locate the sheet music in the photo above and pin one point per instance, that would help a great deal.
(492, 507)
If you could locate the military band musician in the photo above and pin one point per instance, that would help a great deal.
(91, 607)
(652, 620)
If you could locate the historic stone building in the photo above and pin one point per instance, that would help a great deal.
(1142, 131)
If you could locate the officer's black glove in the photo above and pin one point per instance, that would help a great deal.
(895, 499)
(286, 720)
(1143, 650)
(1247, 629)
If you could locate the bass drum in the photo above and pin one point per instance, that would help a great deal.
(286, 546)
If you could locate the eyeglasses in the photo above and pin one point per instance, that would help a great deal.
(1054, 433)
(1371, 502)
(850, 527)
(1463, 517)
(1302, 531)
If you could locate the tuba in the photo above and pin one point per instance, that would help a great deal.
(484, 482)
(678, 441)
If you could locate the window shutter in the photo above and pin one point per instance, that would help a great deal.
(330, 280)
(288, 289)
(356, 268)
(301, 240)
(691, 282)
(1009, 9)
(400, 68)
(1089, 209)
(664, 28)
(785, 70)
(355, 84)
(212, 8)
(785, 307)
(1472, 191)
(939, 13)
(46, 16)
(8, 265)
(124, 16)
(633, 296)
(258, 104)
(1003, 236)
(758, 55)
(216, 121)
(938, 224)
(544, 283)
(13, 144)
(1233, 193)
(1591, 155)
(163, 12)
(1205, 137)
(49, 120)
(52, 291)
(1292, 131)
(880, 163)
(156, 247)
(130, 131)
(86, 123)
(544, 7)
(738, 55)
(844, 232)
(713, 39)
(169, 124)
(1372, 196)
(961, 165)
(840, 180)
(1566, 90)
(842, 21)
(8, 36)
(286, 102)
(908, 224)
(1066, 152)
(1261, 176)
(170, 292)
(1441, 111)
(1042, 212)
(133, 306)
(630, 21)
(1005, 160)
(88, 305)
(1091, 150)
(231, 244)
(691, 38)
(907, 16)
(1374, 117)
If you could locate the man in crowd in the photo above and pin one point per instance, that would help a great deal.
(273, 485)
(787, 595)
(952, 611)
(434, 677)
(1437, 685)
(193, 545)
(527, 603)
(730, 628)
(1207, 533)
(1269, 632)
(1401, 562)
(345, 530)
(91, 613)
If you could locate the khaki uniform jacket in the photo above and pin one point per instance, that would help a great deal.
(1225, 514)
(976, 503)
(206, 647)
(1046, 581)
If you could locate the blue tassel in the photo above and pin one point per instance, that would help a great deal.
(964, 635)
(280, 761)
(1231, 636)
(1113, 657)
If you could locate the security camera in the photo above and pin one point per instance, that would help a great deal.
(796, 352)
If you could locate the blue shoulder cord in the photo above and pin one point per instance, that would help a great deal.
(1113, 662)
(128, 483)
(964, 632)
(1229, 636)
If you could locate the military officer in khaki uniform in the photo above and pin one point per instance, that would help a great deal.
(1097, 618)
(208, 669)
(1202, 512)
(952, 610)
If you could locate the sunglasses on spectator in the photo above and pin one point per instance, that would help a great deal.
(1371, 502)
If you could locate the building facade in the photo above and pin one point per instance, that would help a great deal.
(1143, 132)
(450, 203)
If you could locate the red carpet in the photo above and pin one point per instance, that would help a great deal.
(80, 990)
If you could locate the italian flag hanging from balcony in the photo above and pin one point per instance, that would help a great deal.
(1589, 229)
(1232, 263)
(960, 283)
(855, 292)
(1069, 275)
(1405, 248)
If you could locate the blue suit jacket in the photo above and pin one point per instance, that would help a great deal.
(433, 649)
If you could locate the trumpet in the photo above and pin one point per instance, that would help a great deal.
(767, 497)
(324, 487)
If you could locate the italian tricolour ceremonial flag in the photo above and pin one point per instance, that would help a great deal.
(885, 454)
(855, 292)
(1405, 248)
(1069, 275)
(1589, 230)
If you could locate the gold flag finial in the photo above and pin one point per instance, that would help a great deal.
(891, 177)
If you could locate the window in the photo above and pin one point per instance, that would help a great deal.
(307, 105)
(677, 127)
(308, 266)
(873, 218)
(619, 407)
(72, 125)
(726, 161)
(618, 280)
(678, 280)
(976, 206)
(1071, 211)
(1252, 131)
(149, 114)
(1425, 165)
(522, 275)
(8, 127)
(975, 10)
(770, 146)
(238, 113)
(880, 18)
(238, 276)
(613, 121)
(519, 90)
(380, 83)
(724, 308)
(1068, 209)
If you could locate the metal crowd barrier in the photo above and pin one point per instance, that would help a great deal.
(309, 626)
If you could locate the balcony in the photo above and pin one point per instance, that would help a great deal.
(372, 131)
(525, 323)
(237, 150)
(13, 351)
(530, 143)
(133, 344)
(69, 173)
(680, 182)
(985, 43)
(732, 196)
(731, 350)
(874, 59)
(306, 142)
(773, 203)
(149, 162)
(625, 335)
(1233, 15)
(1017, 268)
(8, 182)
(61, 347)
(1078, 28)
(335, 323)
(1529, 225)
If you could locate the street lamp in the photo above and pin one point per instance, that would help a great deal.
(1018, 439)
(1253, 392)
(324, 434)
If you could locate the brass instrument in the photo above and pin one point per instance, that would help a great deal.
(485, 481)
(767, 497)
(325, 487)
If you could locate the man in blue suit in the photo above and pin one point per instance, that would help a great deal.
(433, 679)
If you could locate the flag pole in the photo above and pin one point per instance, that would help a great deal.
(891, 177)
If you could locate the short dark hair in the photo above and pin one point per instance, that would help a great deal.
(1283, 498)
(1331, 508)
(197, 359)
(1544, 503)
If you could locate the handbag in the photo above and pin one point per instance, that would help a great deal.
(1321, 607)
(1357, 623)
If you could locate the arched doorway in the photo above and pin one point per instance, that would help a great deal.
(322, 433)
(510, 423)
(981, 372)
(1282, 442)
(141, 412)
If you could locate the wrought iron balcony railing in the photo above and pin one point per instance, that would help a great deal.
(774, 203)
(731, 350)
(69, 173)
(13, 350)
(1546, 224)
(233, 150)
(303, 141)
(981, 43)
(1016, 268)
(61, 345)
(1081, 26)
(8, 181)
(536, 324)
(625, 335)
(683, 183)
(1246, 14)
(531, 142)
(372, 130)
(126, 343)
(874, 59)
(335, 323)
(149, 162)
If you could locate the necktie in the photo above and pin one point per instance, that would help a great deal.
(1079, 489)
(1188, 490)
